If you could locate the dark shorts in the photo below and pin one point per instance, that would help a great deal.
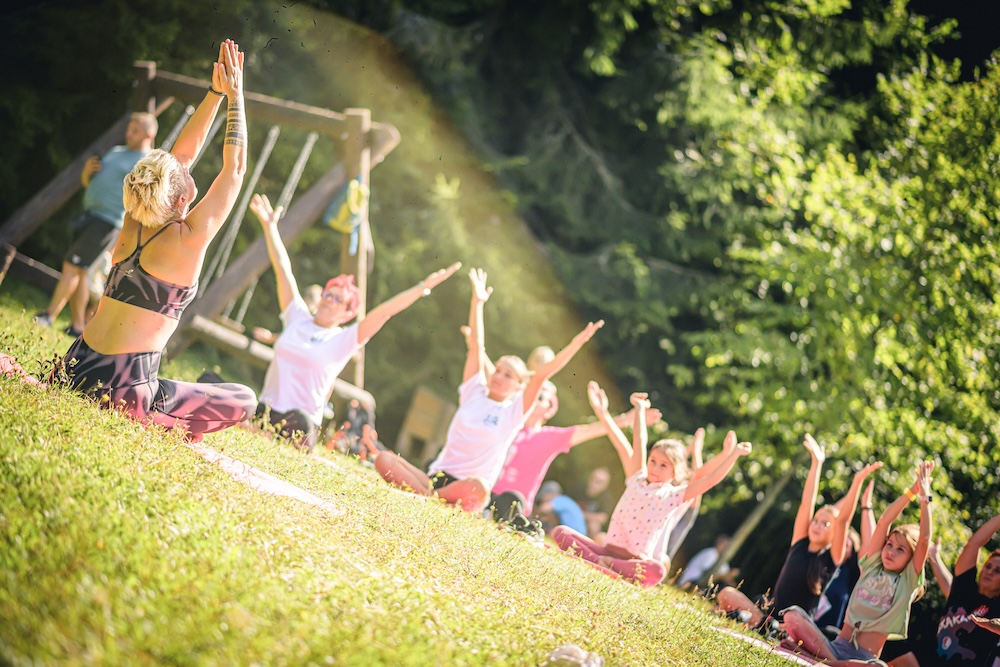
(295, 425)
(441, 479)
(92, 235)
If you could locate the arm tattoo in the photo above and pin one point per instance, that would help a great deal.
(236, 131)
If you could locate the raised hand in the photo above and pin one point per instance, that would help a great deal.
(480, 292)
(227, 72)
(441, 275)
(261, 206)
(814, 448)
(697, 443)
(588, 332)
(867, 470)
(639, 399)
(729, 442)
(598, 399)
(922, 485)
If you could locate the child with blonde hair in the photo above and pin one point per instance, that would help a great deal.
(892, 579)
(492, 409)
(818, 548)
(658, 490)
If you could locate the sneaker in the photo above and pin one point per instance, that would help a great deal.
(739, 615)
(71, 332)
(771, 630)
(42, 318)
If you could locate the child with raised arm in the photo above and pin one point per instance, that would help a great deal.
(972, 594)
(490, 413)
(892, 578)
(819, 546)
(657, 491)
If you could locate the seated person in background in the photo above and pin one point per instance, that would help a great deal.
(558, 509)
(596, 499)
(695, 573)
(313, 349)
(311, 296)
(348, 439)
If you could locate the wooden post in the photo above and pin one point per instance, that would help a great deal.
(750, 523)
(8, 257)
(357, 164)
(143, 98)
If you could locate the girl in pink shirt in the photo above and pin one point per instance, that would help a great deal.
(657, 491)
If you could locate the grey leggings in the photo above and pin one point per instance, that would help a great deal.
(128, 382)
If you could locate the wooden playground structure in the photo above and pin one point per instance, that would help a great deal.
(360, 144)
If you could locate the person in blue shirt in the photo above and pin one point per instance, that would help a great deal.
(95, 227)
(558, 509)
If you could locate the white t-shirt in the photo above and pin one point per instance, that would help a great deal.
(307, 360)
(645, 515)
(480, 434)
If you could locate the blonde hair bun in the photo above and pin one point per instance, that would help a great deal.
(151, 190)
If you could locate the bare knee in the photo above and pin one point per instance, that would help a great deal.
(384, 463)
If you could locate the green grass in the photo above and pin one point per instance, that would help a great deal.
(120, 545)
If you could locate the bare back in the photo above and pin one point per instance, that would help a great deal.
(171, 257)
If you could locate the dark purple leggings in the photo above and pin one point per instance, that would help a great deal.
(646, 573)
(128, 382)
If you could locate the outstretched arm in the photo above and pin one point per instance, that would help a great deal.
(941, 572)
(475, 358)
(926, 525)
(867, 513)
(381, 313)
(599, 404)
(557, 363)
(848, 505)
(288, 289)
(969, 557)
(893, 511)
(488, 366)
(718, 467)
(808, 503)
(585, 432)
(207, 217)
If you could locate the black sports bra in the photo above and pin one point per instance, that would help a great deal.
(129, 283)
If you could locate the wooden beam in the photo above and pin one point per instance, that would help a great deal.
(8, 256)
(31, 271)
(248, 267)
(382, 138)
(258, 354)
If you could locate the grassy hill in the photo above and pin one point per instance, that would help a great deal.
(433, 202)
(121, 545)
